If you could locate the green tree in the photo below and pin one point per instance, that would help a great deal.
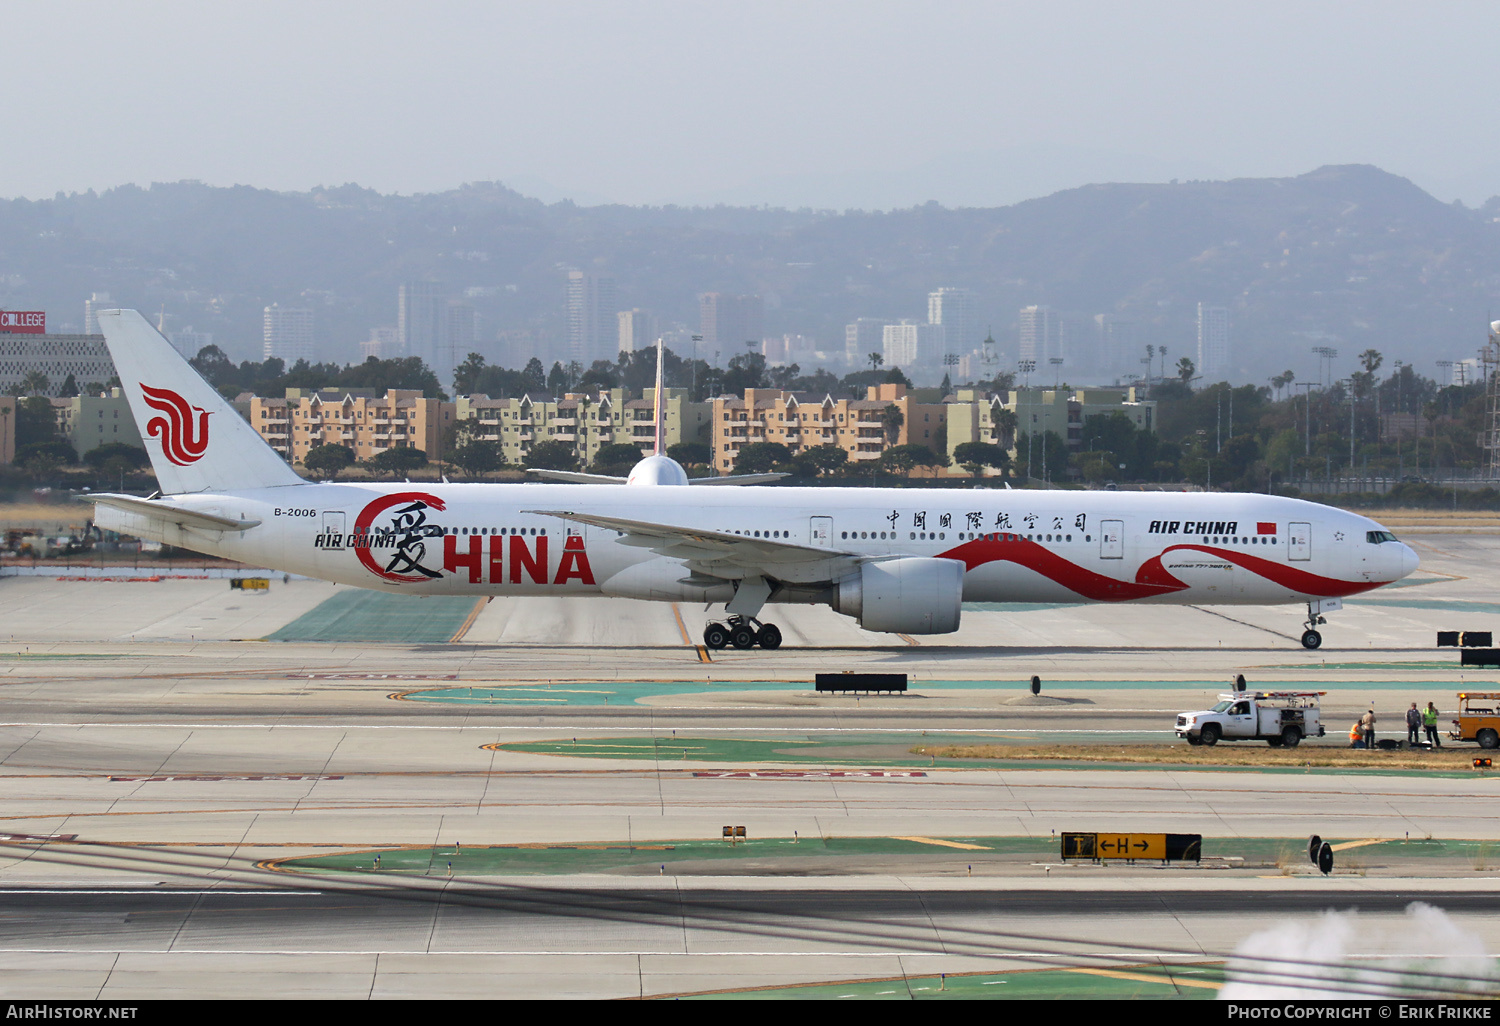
(476, 457)
(616, 459)
(975, 456)
(327, 461)
(54, 453)
(466, 375)
(1185, 371)
(36, 383)
(35, 421)
(892, 419)
(398, 462)
(1048, 453)
(820, 460)
(762, 458)
(691, 454)
(105, 456)
(903, 459)
(552, 455)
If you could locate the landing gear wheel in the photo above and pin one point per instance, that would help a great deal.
(742, 637)
(715, 636)
(1311, 639)
(1210, 734)
(769, 637)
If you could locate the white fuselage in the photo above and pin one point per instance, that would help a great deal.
(1017, 545)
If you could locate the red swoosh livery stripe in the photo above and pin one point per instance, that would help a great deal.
(1152, 578)
(1049, 564)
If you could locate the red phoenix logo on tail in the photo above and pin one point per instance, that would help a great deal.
(183, 441)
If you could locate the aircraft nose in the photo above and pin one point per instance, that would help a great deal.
(1409, 559)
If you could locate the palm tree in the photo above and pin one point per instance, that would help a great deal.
(876, 359)
(892, 418)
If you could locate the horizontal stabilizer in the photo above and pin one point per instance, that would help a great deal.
(577, 477)
(170, 513)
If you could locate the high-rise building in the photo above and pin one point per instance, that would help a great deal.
(637, 330)
(1117, 348)
(1041, 334)
(1213, 340)
(593, 324)
(953, 309)
(864, 336)
(287, 333)
(421, 320)
(727, 323)
(91, 307)
(382, 344)
(189, 342)
(908, 344)
(460, 333)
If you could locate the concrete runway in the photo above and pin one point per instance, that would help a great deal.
(171, 755)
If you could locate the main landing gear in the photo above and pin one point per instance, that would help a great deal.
(1311, 638)
(742, 632)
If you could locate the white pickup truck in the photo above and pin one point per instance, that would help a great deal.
(1279, 718)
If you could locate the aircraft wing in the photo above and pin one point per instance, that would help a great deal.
(169, 513)
(724, 555)
(577, 477)
(738, 479)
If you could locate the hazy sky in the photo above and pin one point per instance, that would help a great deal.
(817, 102)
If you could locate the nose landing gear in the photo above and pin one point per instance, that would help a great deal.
(742, 632)
(1310, 637)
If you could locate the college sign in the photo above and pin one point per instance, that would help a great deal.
(24, 322)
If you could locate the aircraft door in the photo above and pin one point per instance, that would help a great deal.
(820, 532)
(333, 529)
(1299, 541)
(1112, 539)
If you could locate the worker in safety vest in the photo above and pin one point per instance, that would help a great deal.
(1429, 721)
(1356, 736)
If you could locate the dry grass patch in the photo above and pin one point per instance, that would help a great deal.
(1394, 518)
(1252, 753)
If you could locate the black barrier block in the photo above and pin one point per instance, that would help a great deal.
(1447, 639)
(1184, 847)
(1325, 858)
(1314, 844)
(1479, 657)
(1476, 639)
(861, 682)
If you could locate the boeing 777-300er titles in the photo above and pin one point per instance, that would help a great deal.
(899, 560)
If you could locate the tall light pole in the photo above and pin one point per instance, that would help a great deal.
(1026, 367)
(696, 340)
(1307, 401)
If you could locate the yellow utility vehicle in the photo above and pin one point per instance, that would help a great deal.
(1478, 718)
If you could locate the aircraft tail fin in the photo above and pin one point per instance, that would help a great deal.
(196, 440)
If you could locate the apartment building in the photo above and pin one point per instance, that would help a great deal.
(89, 421)
(803, 420)
(586, 421)
(973, 416)
(365, 422)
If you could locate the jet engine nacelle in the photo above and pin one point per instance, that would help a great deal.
(915, 595)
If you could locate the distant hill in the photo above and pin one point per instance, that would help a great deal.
(1348, 255)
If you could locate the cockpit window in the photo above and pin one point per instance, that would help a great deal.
(1376, 537)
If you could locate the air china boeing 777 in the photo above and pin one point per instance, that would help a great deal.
(900, 560)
